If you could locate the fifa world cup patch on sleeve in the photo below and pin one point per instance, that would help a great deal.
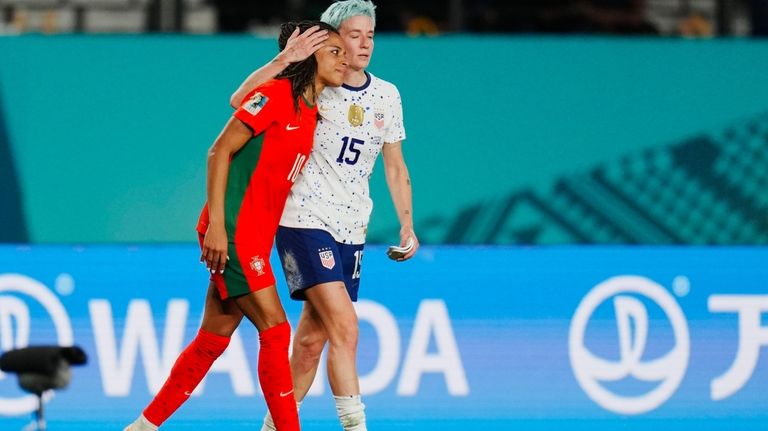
(255, 103)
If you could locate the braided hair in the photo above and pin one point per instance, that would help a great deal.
(301, 74)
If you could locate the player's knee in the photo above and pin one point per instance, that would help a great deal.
(272, 317)
(345, 336)
(309, 347)
(210, 344)
(222, 329)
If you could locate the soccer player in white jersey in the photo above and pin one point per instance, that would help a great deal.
(322, 232)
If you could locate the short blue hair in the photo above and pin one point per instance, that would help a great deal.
(342, 10)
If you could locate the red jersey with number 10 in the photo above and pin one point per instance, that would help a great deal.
(262, 172)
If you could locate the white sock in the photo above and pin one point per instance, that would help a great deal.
(141, 424)
(269, 425)
(351, 412)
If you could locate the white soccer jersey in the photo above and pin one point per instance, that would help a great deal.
(331, 193)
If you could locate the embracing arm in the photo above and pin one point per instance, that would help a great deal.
(260, 76)
(297, 48)
(215, 244)
(399, 183)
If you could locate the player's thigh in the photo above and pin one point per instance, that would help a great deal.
(334, 307)
(220, 316)
(262, 307)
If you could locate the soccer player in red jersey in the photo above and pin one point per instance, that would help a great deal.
(251, 167)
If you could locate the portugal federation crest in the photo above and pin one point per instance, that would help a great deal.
(326, 258)
(257, 264)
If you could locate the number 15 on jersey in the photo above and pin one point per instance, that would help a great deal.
(348, 146)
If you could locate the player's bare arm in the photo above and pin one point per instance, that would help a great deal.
(297, 48)
(234, 135)
(399, 183)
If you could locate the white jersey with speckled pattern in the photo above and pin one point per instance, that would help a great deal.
(331, 193)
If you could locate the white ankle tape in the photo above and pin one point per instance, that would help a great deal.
(351, 412)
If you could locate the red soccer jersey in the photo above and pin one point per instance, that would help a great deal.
(260, 176)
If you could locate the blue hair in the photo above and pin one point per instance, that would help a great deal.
(342, 10)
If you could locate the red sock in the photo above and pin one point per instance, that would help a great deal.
(275, 377)
(187, 372)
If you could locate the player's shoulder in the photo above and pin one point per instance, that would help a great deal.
(274, 91)
(333, 93)
(382, 85)
(275, 87)
(373, 88)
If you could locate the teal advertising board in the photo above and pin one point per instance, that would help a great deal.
(525, 140)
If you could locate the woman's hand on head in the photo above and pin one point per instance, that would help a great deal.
(302, 45)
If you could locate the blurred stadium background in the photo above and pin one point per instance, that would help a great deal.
(662, 17)
(591, 189)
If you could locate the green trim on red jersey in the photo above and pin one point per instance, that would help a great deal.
(241, 169)
(309, 104)
(234, 277)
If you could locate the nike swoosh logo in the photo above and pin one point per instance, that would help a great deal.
(285, 394)
(187, 393)
(289, 127)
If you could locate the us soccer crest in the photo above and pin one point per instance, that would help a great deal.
(356, 115)
(378, 119)
(255, 103)
(257, 264)
(326, 258)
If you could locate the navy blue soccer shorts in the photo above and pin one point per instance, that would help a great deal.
(312, 256)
